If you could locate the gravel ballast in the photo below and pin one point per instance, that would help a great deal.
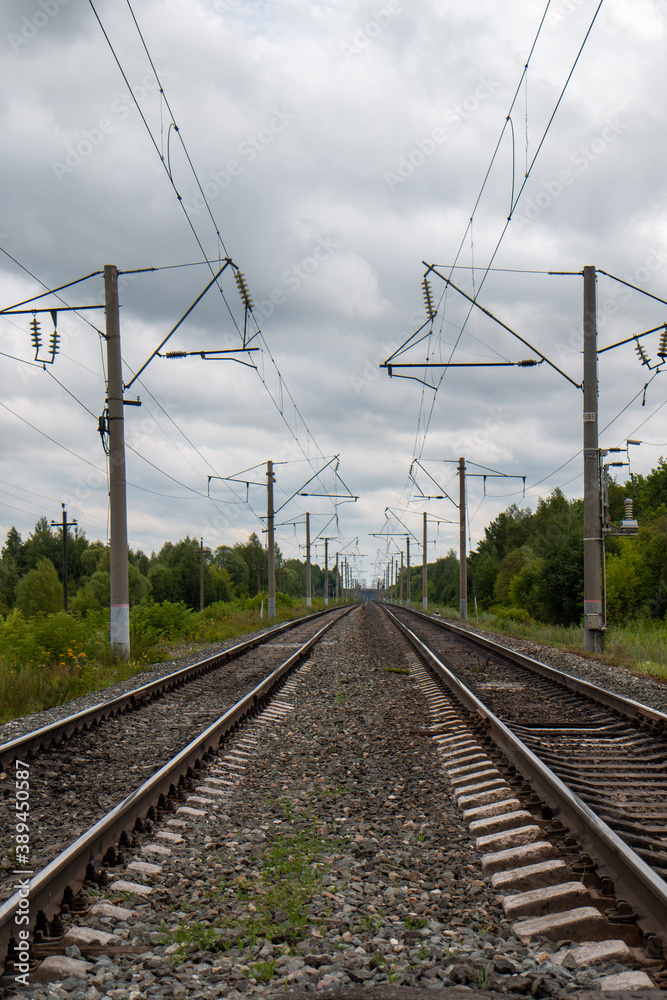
(328, 853)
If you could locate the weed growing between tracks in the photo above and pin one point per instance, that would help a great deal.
(49, 659)
(273, 907)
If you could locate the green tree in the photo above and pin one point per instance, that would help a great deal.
(624, 582)
(163, 583)
(255, 558)
(40, 590)
(231, 560)
(651, 543)
(11, 566)
(525, 587)
(509, 567)
(484, 570)
(443, 580)
(509, 531)
(651, 493)
(42, 543)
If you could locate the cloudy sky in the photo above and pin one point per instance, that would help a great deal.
(328, 149)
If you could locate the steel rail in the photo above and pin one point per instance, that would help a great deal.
(634, 880)
(30, 742)
(626, 706)
(46, 888)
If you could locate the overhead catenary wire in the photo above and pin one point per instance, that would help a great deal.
(167, 167)
(424, 420)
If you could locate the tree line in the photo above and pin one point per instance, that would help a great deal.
(31, 573)
(531, 562)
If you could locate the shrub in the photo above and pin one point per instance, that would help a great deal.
(505, 615)
(152, 622)
(40, 591)
(282, 601)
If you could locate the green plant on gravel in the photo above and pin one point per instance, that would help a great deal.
(483, 975)
(415, 923)
(396, 670)
(367, 924)
(286, 806)
(264, 971)
(289, 876)
(328, 793)
(340, 696)
(198, 937)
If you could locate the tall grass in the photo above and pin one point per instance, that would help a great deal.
(50, 659)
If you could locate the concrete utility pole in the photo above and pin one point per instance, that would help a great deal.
(400, 599)
(336, 575)
(308, 589)
(201, 574)
(65, 527)
(593, 623)
(463, 564)
(424, 571)
(270, 479)
(407, 545)
(326, 572)
(119, 610)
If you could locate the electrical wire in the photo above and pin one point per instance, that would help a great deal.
(427, 420)
(634, 287)
(49, 438)
(282, 387)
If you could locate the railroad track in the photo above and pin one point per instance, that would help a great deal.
(119, 742)
(596, 763)
(503, 824)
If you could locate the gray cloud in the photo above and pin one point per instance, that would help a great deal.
(337, 146)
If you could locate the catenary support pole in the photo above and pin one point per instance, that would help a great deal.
(308, 590)
(400, 599)
(326, 572)
(270, 479)
(593, 624)
(463, 562)
(424, 571)
(336, 575)
(201, 574)
(119, 604)
(407, 596)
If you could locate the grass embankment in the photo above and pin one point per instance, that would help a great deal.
(640, 647)
(50, 659)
